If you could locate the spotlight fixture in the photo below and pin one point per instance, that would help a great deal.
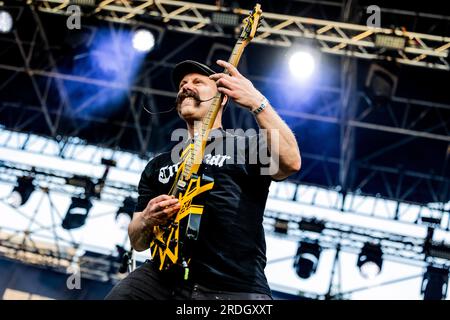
(87, 3)
(381, 84)
(431, 221)
(101, 182)
(108, 162)
(389, 42)
(83, 182)
(124, 258)
(307, 258)
(438, 250)
(128, 206)
(227, 19)
(86, 6)
(435, 283)
(218, 51)
(281, 226)
(6, 21)
(22, 191)
(77, 213)
(143, 40)
(302, 65)
(370, 260)
(312, 225)
(125, 213)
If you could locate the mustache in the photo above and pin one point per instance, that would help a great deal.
(186, 94)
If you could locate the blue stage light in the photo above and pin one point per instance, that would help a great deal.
(302, 65)
(143, 40)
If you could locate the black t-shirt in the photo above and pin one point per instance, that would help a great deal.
(230, 251)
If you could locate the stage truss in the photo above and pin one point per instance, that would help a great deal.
(345, 39)
(333, 37)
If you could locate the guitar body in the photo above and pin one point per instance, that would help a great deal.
(173, 242)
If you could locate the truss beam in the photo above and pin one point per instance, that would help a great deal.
(340, 38)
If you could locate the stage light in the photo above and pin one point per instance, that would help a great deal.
(281, 226)
(370, 260)
(435, 283)
(381, 84)
(438, 250)
(312, 225)
(87, 3)
(125, 213)
(143, 40)
(83, 182)
(21, 192)
(6, 21)
(307, 258)
(431, 221)
(225, 19)
(302, 65)
(389, 41)
(124, 258)
(218, 51)
(77, 213)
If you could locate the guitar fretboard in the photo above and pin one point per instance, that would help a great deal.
(201, 135)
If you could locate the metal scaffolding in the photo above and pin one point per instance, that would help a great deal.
(346, 107)
(341, 237)
(333, 37)
(394, 209)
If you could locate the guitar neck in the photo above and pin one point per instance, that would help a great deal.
(210, 118)
(195, 157)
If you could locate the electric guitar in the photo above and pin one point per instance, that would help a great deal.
(173, 241)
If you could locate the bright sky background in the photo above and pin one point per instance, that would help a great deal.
(102, 232)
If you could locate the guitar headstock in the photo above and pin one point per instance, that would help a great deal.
(250, 24)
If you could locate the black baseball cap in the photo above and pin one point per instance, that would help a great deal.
(189, 66)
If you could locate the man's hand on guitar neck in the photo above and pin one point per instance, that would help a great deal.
(158, 211)
(284, 145)
(237, 87)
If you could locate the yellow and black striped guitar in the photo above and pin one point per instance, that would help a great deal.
(171, 242)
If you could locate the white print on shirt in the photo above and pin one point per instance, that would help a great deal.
(258, 151)
(216, 160)
(167, 172)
